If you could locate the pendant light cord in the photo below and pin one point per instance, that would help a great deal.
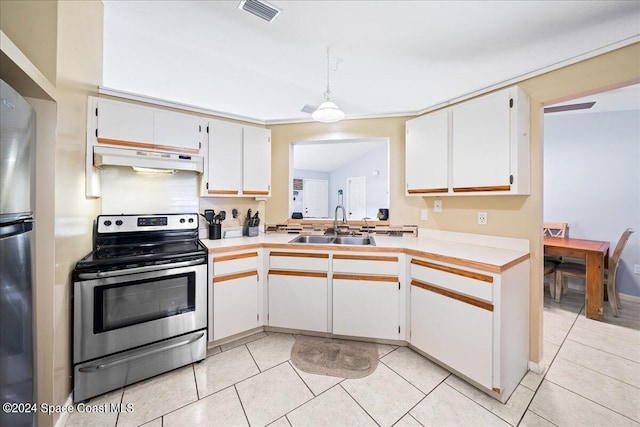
(327, 94)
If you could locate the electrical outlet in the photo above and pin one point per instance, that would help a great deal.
(424, 215)
(437, 205)
(636, 269)
(482, 218)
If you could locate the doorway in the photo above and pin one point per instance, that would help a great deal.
(356, 197)
(315, 198)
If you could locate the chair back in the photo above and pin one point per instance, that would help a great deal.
(554, 229)
(617, 253)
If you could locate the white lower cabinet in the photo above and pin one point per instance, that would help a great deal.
(298, 291)
(235, 295)
(365, 307)
(235, 304)
(458, 318)
(454, 332)
(366, 294)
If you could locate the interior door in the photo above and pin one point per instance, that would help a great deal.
(315, 198)
(357, 197)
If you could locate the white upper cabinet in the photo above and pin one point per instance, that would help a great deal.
(225, 159)
(175, 130)
(427, 154)
(131, 125)
(239, 161)
(486, 151)
(256, 151)
(119, 122)
(481, 144)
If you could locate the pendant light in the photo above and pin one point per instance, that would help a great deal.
(328, 111)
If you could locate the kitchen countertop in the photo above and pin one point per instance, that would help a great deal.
(467, 254)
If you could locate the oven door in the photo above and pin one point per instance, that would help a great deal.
(113, 314)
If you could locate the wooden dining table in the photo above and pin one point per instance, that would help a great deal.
(595, 253)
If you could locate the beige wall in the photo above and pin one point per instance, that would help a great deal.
(79, 73)
(32, 26)
(64, 41)
(509, 216)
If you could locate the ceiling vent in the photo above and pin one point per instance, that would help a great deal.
(570, 107)
(261, 9)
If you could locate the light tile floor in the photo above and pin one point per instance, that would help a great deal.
(593, 379)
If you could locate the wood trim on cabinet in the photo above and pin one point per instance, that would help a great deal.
(427, 190)
(454, 295)
(452, 270)
(487, 188)
(497, 390)
(234, 276)
(299, 255)
(176, 149)
(297, 273)
(235, 256)
(366, 257)
(222, 191)
(125, 143)
(255, 192)
(342, 276)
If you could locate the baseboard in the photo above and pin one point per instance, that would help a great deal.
(64, 416)
(537, 368)
(631, 298)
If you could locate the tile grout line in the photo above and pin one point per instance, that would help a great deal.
(598, 372)
(544, 374)
(241, 405)
(605, 351)
(302, 379)
(195, 380)
(481, 405)
(592, 401)
(358, 403)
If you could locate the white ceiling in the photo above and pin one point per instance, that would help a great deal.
(398, 56)
(622, 99)
(328, 156)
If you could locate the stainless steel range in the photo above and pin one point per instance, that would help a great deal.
(139, 301)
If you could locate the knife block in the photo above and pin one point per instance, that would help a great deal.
(249, 231)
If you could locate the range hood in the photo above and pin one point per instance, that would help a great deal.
(147, 160)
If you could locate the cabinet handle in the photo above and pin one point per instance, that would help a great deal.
(453, 295)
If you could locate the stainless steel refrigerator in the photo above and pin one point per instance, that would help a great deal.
(17, 197)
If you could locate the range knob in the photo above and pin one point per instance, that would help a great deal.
(107, 223)
(119, 222)
(190, 219)
(181, 220)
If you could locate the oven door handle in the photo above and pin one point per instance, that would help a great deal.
(127, 359)
(134, 270)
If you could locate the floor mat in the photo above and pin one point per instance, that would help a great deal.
(338, 358)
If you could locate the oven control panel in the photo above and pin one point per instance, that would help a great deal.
(129, 223)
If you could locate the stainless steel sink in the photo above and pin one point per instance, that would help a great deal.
(354, 240)
(340, 240)
(313, 239)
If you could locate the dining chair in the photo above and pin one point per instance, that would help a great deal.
(552, 229)
(576, 270)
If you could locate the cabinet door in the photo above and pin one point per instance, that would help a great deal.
(124, 124)
(427, 154)
(235, 304)
(455, 332)
(256, 177)
(481, 144)
(225, 158)
(365, 307)
(176, 132)
(298, 300)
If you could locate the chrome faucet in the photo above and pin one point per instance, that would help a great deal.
(335, 218)
(366, 224)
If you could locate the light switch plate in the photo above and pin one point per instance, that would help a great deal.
(424, 215)
(437, 205)
(636, 269)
